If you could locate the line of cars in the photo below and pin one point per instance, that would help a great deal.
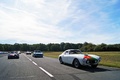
(36, 53)
(71, 56)
(15, 54)
(74, 57)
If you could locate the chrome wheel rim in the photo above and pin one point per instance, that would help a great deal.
(76, 64)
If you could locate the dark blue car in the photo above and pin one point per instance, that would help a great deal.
(37, 53)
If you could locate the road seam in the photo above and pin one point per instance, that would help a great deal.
(50, 75)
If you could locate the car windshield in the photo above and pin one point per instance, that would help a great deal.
(75, 52)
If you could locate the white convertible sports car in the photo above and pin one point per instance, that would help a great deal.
(77, 58)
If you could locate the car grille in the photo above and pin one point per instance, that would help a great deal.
(91, 61)
(38, 55)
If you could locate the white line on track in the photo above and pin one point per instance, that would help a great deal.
(34, 63)
(30, 59)
(46, 72)
(40, 67)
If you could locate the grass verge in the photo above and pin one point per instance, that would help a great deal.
(111, 59)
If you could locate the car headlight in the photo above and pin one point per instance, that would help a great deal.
(99, 59)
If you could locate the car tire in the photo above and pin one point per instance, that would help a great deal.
(94, 66)
(60, 59)
(76, 63)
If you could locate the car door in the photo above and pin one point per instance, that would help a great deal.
(65, 56)
(70, 58)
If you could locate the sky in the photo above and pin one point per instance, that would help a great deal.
(56, 21)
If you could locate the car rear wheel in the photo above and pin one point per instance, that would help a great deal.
(60, 59)
(76, 63)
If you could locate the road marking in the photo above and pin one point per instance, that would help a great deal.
(34, 63)
(50, 75)
(46, 72)
(30, 59)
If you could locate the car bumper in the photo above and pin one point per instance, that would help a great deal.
(13, 57)
(90, 62)
(38, 55)
(28, 53)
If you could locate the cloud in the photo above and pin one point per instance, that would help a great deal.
(92, 21)
(23, 26)
(46, 21)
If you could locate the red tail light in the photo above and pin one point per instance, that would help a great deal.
(87, 57)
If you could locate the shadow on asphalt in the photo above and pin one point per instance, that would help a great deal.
(90, 69)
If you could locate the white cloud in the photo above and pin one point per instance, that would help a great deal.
(23, 26)
(35, 21)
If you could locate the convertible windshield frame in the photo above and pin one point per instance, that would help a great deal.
(75, 52)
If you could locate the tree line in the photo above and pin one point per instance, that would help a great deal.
(59, 47)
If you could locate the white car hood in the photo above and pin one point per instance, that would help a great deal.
(94, 56)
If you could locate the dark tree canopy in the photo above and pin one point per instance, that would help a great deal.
(59, 47)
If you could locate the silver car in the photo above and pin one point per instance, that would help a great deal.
(77, 58)
(37, 53)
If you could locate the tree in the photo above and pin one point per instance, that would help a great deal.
(55, 47)
(101, 47)
(41, 47)
(59, 47)
(88, 47)
(24, 47)
(16, 47)
(62, 46)
(67, 46)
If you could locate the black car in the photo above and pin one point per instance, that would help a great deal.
(13, 55)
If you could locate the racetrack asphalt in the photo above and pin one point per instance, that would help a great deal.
(30, 68)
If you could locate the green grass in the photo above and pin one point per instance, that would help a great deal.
(52, 54)
(111, 59)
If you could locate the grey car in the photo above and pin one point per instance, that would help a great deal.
(37, 53)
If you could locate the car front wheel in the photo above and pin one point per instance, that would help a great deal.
(60, 59)
(8, 57)
(76, 63)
